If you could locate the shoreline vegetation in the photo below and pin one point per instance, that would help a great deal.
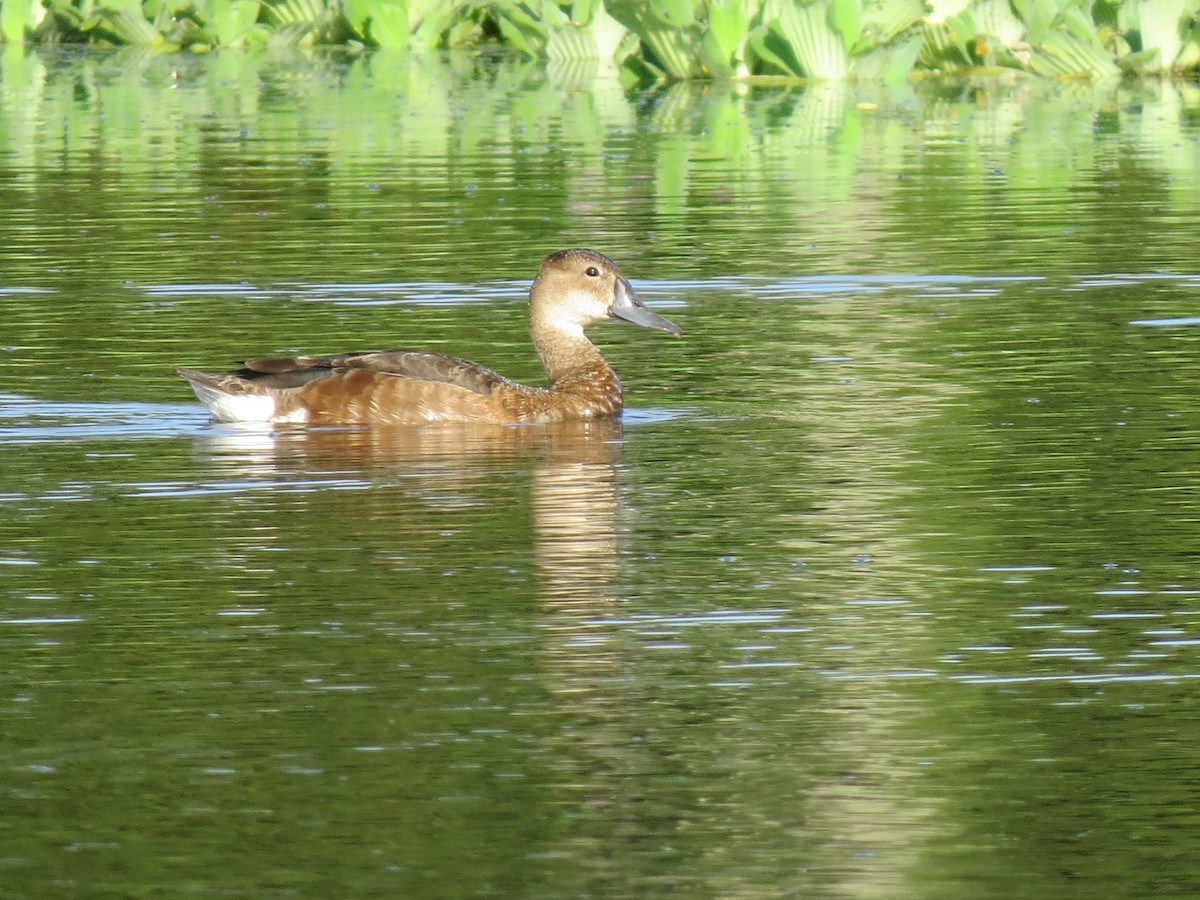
(668, 40)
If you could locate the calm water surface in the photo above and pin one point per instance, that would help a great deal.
(886, 586)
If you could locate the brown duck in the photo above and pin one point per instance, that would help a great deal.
(573, 288)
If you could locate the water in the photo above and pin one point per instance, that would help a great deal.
(886, 586)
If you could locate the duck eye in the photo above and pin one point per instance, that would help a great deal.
(591, 271)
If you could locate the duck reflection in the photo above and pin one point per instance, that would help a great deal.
(572, 490)
(473, 445)
(574, 507)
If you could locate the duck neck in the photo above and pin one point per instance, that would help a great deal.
(572, 361)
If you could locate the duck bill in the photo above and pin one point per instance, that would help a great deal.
(628, 308)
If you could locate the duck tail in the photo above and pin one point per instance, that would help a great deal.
(229, 398)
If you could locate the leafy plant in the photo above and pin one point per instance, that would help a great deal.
(670, 31)
(411, 24)
(671, 39)
(129, 22)
(728, 36)
(965, 33)
(300, 21)
(1165, 33)
(227, 23)
(584, 30)
(18, 18)
(833, 39)
(1063, 40)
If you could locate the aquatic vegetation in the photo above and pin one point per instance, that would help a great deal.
(670, 39)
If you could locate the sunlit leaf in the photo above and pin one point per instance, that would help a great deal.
(677, 51)
(589, 33)
(676, 39)
(887, 21)
(940, 10)
(1160, 24)
(521, 27)
(1142, 62)
(817, 47)
(17, 17)
(388, 25)
(890, 62)
(728, 31)
(357, 13)
(671, 13)
(291, 34)
(286, 12)
(227, 21)
(846, 17)
(772, 49)
(1072, 51)
(995, 17)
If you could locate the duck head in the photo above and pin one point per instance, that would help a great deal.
(575, 288)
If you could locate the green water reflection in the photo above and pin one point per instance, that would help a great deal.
(885, 588)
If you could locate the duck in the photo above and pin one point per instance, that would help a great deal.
(573, 289)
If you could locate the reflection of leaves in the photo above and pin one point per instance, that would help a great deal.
(796, 153)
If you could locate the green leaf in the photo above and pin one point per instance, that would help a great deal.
(388, 25)
(1038, 17)
(429, 21)
(890, 63)
(814, 43)
(889, 21)
(286, 12)
(996, 18)
(846, 17)
(677, 50)
(356, 13)
(521, 27)
(672, 13)
(227, 22)
(611, 36)
(590, 33)
(941, 10)
(1072, 51)
(1141, 62)
(572, 41)
(674, 50)
(769, 47)
(289, 35)
(729, 28)
(1161, 23)
(18, 17)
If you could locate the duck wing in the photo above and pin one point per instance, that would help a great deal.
(285, 373)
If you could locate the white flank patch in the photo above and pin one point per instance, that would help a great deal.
(297, 416)
(236, 407)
